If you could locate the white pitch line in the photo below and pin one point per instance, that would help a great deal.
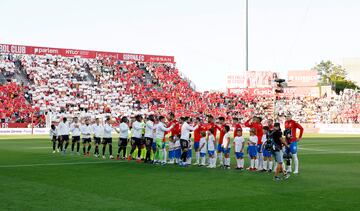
(324, 151)
(37, 147)
(57, 164)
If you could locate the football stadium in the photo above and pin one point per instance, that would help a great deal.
(86, 124)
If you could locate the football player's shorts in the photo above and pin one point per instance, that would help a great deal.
(65, 137)
(252, 151)
(220, 148)
(97, 140)
(171, 154)
(196, 145)
(226, 151)
(211, 152)
(178, 153)
(266, 153)
(75, 138)
(122, 142)
(107, 140)
(189, 153)
(239, 155)
(293, 147)
(148, 141)
(86, 140)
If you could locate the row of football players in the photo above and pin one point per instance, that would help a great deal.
(179, 145)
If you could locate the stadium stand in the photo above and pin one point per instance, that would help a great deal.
(60, 85)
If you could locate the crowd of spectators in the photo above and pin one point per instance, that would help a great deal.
(342, 108)
(93, 87)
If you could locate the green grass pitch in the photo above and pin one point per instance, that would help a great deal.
(32, 178)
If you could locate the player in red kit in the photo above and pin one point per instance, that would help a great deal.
(255, 123)
(174, 132)
(211, 125)
(197, 137)
(293, 126)
(220, 149)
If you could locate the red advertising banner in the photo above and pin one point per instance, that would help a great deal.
(22, 49)
(14, 125)
(302, 78)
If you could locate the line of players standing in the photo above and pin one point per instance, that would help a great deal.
(148, 139)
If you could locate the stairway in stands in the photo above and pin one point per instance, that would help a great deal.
(20, 74)
(2, 78)
(90, 76)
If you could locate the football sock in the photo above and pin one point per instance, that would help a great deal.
(220, 159)
(197, 157)
(260, 160)
(119, 150)
(110, 149)
(270, 165)
(183, 156)
(265, 163)
(188, 160)
(139, 152)
(96, 149)
(132, 150)
(164, 154)
(84, 150)
(296, 162)
(54, 145)
(203, 159)
(227, 161)
(148, 152)
(77, 146)
(72, 146)
(103, 150)
(89, 147)
(144, 152)
(124, 152)
(66, 145)
(252, 163)
(256, 163)
(242, 163)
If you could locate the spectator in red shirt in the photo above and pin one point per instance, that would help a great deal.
(270, 124)
(291, 125)
(236, 125)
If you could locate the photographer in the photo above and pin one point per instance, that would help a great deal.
(287, 152)
(278, 143)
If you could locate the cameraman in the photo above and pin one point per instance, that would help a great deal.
(278, 143)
